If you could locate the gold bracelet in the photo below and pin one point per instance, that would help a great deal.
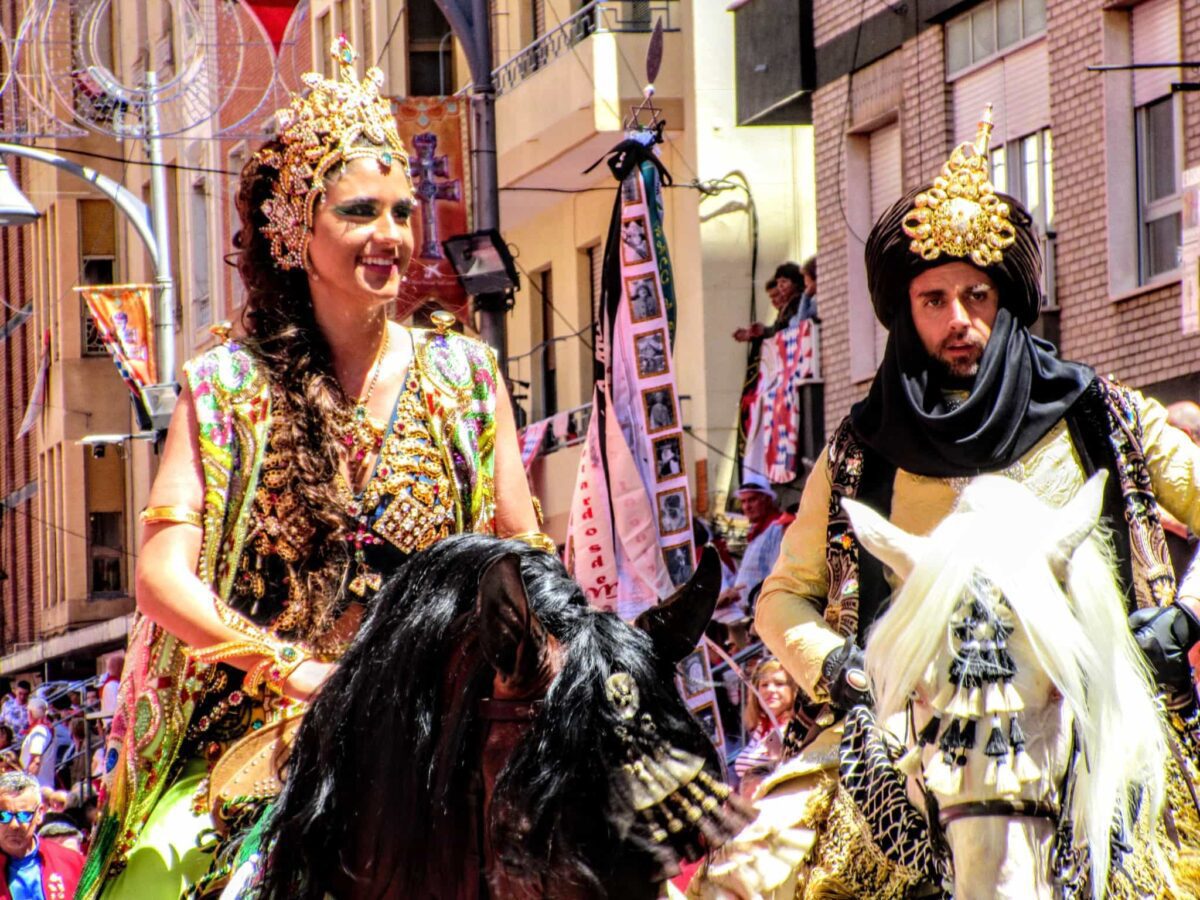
(537, 540)
(175, 515)
(279, 661)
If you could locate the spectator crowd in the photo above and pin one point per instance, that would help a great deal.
(51, 759)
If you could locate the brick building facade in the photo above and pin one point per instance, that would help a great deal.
(1099, 156)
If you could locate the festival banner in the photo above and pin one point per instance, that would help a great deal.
(787, 360)
(123, 318)
(532, 437)
(634, 453)
(37, 397)
(434, 129)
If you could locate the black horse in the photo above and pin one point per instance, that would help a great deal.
(490, 734)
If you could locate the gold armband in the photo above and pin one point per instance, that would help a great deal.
(175, 515)
(279, 661)
(537, 540)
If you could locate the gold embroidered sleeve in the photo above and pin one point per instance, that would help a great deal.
(1174, 463)
(788, 617)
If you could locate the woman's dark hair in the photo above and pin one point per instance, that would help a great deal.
(791, 272)
(809, 267)
(282, 332)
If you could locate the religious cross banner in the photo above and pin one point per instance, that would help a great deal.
(435, 131)
(122, 316)
(633, 463)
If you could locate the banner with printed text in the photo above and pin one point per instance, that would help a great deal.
(633, 461)
(434, 129)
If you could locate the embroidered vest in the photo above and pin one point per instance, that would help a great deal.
(162, 685)
(1107, 433)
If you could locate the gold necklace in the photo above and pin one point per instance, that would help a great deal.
(361, 434)
(360, 410)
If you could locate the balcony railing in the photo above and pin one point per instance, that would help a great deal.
(599, 15)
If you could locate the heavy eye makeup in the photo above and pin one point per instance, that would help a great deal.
(365, 208)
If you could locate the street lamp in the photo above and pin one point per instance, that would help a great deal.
(15, 208)
(150, 226)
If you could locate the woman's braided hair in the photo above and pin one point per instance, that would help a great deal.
(282, 333)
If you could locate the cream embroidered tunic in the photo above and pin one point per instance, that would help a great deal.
(789, 617)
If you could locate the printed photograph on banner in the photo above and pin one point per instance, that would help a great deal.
(668, 458)
(651, 353)
(635, 243)
(706, 715)
(660, 408)
(643, 298)
(679, 561)
(694, 675)
(631, 189)
(673, 512)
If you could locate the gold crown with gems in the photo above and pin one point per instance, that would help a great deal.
(334, 121)
(960, 214)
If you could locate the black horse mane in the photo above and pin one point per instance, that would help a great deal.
(384, 771)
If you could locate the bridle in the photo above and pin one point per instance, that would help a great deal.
(939, 817)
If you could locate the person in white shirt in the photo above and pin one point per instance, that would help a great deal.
(112, 682)
(38, 749)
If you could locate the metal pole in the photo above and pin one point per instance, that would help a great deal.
(128, 203)
(164, 321)
(487, 181)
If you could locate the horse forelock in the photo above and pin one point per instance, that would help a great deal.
(382, 771)
(1075, 634)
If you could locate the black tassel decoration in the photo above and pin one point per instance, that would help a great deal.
(928, 734)
(996, 745)
(968, 735)
(1016, 737)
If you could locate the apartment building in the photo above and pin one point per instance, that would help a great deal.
(1103, 155)
(568, 76)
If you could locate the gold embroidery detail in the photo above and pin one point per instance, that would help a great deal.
(960, 215)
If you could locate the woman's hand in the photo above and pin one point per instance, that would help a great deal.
(307, 677)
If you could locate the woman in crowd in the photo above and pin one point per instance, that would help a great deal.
(303, 461)
(766, 715)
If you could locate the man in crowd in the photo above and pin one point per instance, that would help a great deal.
(793, 293)
(13, 713)
(767, 526)
(111, 683)
(39, 749)
(964, 389)
(34, 869)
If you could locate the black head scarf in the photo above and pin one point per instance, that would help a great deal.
(1021, 390)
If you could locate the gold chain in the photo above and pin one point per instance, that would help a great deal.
(360, 408)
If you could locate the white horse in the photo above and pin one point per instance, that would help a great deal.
(1010, 630)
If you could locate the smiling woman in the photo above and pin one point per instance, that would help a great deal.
(306, 460)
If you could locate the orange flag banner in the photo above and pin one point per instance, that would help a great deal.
(122, 315)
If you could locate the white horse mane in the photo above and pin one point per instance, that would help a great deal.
(1080, 639)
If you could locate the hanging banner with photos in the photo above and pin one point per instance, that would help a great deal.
(634, 452)
(123, 318)
(434, 129)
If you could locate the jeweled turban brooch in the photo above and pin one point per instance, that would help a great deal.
(334, 121)
(960, 214)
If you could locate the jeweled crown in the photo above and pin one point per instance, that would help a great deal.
(960, 214)
(334, 121)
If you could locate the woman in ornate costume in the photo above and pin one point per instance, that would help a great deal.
(302, 463)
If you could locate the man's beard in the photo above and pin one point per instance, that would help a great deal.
(957, 366)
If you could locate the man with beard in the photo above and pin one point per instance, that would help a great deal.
(964, 389)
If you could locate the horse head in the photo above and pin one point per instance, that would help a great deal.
(1005, 660)
(489, 733)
